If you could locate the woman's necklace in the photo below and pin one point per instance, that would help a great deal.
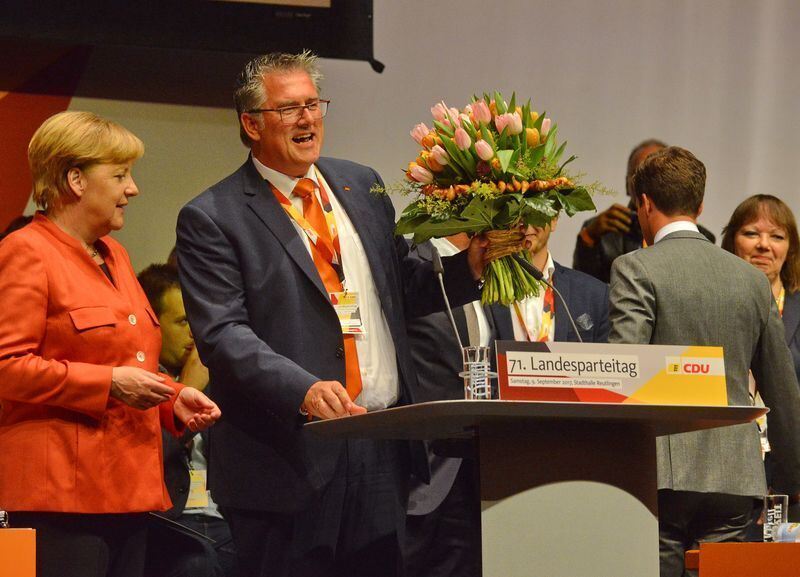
(92, 250)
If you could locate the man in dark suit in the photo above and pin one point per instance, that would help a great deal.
(268, 258)
(443, 525)
(684, 290)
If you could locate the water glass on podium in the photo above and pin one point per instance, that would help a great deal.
(776, 511)
(477, 377)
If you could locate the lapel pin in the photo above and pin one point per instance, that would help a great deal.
(346, 188)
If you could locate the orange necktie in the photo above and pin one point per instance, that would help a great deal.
(312, 212)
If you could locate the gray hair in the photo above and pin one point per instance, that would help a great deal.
(250, 93)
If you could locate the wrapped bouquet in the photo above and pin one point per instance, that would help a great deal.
(494, 168)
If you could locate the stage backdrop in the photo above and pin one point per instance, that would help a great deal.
(718, 78)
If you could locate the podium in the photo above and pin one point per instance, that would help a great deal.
(17, 552)
(567, 489)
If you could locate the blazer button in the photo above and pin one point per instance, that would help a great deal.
(132, 319)
(340, 352)
(140, 356)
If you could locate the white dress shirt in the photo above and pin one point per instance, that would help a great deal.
(675, 226)
(475, 309)
(376, 353)
(532, 310)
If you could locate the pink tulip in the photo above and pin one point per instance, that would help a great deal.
(511, 121)
(440, 111)
(419, 132)
(484, 150)
(463, 119)
(462, 139)
(440, 155)
(421, 174)
(545, 127)
(481, 112)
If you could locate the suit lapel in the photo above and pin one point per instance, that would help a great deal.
(561, 282)
(791, 315)
(262, 202)
(361, 218)
(502, 322)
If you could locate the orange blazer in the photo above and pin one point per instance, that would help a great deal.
(65, 444)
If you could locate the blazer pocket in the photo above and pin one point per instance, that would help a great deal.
(92, 317)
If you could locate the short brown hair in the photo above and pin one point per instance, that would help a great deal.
(673, 179)
(776, 211)
(75, 139)
(156, 280)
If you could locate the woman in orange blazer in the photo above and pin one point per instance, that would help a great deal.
(81, 403)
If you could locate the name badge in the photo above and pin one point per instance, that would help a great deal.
(346, 306)
(198, 495)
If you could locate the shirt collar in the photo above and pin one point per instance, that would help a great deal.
(549, 267)
(675, 226)
(282, 182)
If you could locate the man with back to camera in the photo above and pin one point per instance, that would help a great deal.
(265, 258)
(616, 230)
(683, 290)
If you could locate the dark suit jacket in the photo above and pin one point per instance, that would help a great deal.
(438, 358)
(587, 299)
(596, 260)
(266, 330)
(791, 324)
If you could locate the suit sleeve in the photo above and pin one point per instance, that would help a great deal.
(632, 307)
(591, 259)
(214, 295)
(773, 370)
(26, 376)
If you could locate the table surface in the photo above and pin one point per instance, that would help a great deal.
(462, 419)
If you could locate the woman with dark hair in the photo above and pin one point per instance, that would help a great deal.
(763, 231)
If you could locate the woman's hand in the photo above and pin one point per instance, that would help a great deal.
(195, 410)
(139, 388)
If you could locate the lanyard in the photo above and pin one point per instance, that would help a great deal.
(329, 248)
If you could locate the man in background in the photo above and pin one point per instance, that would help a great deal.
(616, 230)
(683, 290)
(192, 539)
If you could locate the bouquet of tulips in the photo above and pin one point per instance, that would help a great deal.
(493, 168)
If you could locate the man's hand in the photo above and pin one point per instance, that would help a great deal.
(138, 388)
(195, 410)
(616, 218)
(476, 253)
(329, 400)
(194, 373)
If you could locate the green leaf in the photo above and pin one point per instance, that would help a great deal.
(550, 144)
(506, 158)
(457, 161)
(510, 213)
(512, 106)
(559, 152)
(577, 200)
(537, 153)
(566, 162)
(443, 128)
(538, 209)
(500, 103)
(538, 124)
(408, 224)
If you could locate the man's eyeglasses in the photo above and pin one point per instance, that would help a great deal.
(291, 114)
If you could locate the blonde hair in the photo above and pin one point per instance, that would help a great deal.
(75, 139)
